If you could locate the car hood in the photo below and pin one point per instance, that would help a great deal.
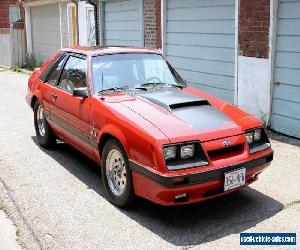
(183, 115)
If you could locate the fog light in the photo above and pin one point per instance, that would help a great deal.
(181, 197)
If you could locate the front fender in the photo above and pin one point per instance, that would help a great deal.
(115, 132)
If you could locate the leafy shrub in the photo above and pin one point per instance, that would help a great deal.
(30, 62)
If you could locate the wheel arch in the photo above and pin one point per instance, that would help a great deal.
(112, 133)
(33, 100)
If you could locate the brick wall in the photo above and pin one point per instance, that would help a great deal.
(4, 12)
(254, 21)
(152, 23)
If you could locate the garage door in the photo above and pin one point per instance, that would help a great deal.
(123, 23)
(286, 90)
(200, 43)
(45, 31)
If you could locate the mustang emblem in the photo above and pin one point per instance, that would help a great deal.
(226, 143)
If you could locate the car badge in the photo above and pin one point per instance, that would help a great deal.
(226, 143)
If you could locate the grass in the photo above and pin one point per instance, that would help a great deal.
(21, 70)
(290, 204)
(1, 205)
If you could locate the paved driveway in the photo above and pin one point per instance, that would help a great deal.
(57, 201)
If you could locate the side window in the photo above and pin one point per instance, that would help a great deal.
(46, 72)
(74, 74)
(54, 76)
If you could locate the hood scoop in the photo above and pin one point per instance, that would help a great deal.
(173, 99)
(196, 112)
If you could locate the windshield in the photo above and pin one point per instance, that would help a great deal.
(131, 71)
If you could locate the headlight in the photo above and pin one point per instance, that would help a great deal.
(249, 137)
(187, 151)
(257, 140)
(253, 136)
(170, 152)
(184, 155)
(257, 134)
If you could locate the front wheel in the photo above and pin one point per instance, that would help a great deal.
(44, 134)
(116, 175)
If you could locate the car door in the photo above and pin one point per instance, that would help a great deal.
(46, 88)
(71, 114)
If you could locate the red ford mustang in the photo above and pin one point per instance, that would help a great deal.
(153, 135)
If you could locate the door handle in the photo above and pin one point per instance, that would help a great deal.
(54, 97)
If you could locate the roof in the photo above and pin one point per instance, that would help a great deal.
(98, 50)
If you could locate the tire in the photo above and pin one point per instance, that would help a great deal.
(44, 134)
(116, 175)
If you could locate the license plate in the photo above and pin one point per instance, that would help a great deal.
(234, 179)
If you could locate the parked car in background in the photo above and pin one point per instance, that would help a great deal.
(153, 135)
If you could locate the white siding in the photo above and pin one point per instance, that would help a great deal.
(122, 23)
(200, 43)
(286, 95)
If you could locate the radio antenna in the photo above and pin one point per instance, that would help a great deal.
(102, 97)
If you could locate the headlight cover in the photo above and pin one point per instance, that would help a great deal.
(170, 152)
(184, 155)
(187, 151)
(257, 140)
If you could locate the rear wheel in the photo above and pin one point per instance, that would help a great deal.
(44, 134)
(116, 175)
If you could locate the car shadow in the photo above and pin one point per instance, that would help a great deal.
(278, 137)
(182, 225)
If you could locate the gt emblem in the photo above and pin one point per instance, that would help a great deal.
(93, 131)
(226, 143)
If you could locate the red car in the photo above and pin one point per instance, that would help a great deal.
(153, 135)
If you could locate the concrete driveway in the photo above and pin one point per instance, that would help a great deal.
(57, 202)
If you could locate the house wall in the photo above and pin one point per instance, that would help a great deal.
(4, 12)
(254, 72)
(5, 52)
(152, 23)
(254, 22)
(64, 24)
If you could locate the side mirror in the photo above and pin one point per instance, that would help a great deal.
(81, 92)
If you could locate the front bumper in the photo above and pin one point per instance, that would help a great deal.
(199, 186)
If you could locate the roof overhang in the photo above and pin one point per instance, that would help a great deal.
(40, 2)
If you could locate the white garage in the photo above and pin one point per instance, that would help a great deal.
(286, 92)
(200, 43)
(123, 23)
(45, 31)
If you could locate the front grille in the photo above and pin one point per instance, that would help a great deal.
(227, 152)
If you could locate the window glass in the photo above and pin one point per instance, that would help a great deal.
(74, 74)
(130, 70)
(14, 14)
(54, 77)
(46, 72)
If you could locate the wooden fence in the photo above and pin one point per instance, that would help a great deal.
(13, 45)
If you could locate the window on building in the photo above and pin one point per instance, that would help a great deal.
(14, 13)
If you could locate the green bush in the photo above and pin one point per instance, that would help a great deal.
(16, 68)
(30, 62)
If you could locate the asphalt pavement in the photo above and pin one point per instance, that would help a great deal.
(56, 200)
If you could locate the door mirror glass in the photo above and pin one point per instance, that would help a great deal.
(81, 92)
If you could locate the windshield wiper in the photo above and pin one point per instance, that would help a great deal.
(154, 84)
(115, 88)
